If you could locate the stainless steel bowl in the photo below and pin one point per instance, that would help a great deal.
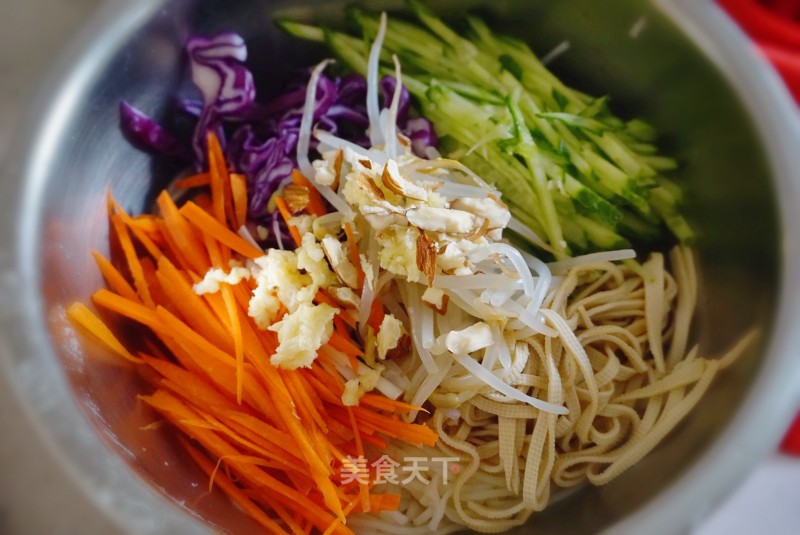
(723, 113)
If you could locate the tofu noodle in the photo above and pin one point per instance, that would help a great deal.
(513, 457)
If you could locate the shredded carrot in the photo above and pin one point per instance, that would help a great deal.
(191, 306)
(221, 198)
(287, 216)
(187, 241)
(134, 264)
(389, 405)
(234, 493)
(80, 314)
(362, 487)
(235, 328)
(194, 181)
(205, 223)
(344, 344)
(114, 278)
(355, 258)
(139, 232)
(239, 192)
(376, 315)
(273, 440)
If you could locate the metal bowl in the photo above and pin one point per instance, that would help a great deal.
(682, 65)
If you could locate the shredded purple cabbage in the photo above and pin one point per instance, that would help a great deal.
(146, 134)
(218, 71)
(262, 139)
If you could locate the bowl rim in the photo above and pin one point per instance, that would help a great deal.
(122, 496)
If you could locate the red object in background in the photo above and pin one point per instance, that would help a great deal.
(791, 442)
(775, 27)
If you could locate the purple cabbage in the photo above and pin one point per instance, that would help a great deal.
(218, 71)
(262, 139)
(387, 87)
(144, 133)
(422, 135)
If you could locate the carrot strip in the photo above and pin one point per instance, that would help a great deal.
(278, 460)
(177, 412)
(322, 390)
(231, 305)
(387, 404)
(189, 386)
(219, 178)
(194, 310)
(233, 492)
(80, 314)
(376, 315)
(319, 470)
(114, 278)
(287, 216)
(185, 238)
(125, 307)
(397, 428)
(355, 258)
(171, 248)
(148, 224)
(156, 291)
(152, 249)
(274, 436)
(134, 266)
(207, 224)
(362, 487)
(315, 205)
(194, 181)
(239, 192)
(344, 344)
(238, 343)
(301, 395)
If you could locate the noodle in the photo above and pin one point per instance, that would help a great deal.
(618, 362)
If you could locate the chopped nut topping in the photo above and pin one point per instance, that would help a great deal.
(370, 187)
(435, 299)
(400, 185)
(381, 221)
(337, 169)
(441, 219)
(339, 261)
(426, 256)
(296, 197)
(489, 207)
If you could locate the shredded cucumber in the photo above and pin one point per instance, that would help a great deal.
(579, 176)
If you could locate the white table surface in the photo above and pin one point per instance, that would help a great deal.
(37, 498)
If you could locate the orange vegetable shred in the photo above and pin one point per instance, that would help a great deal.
(274, 441)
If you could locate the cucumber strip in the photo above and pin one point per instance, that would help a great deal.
(302, 31)
(526, 149)
(634, 226)
(577, 121)
(601, 236)
(353, 52)
(590, 202)
(565, 164)
(619, 154)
